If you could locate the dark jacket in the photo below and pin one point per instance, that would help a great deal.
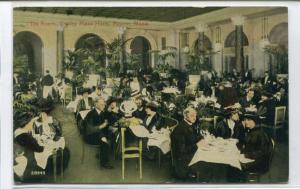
(222, 130)
(266, 109)
(92, 132)
(258, 146)
(155, 121)
(245, 103)
(47, 80)
(82, 106)
(141, 114)
(184, 145)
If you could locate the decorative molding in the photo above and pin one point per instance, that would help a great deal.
(201, 27)
(238, 20)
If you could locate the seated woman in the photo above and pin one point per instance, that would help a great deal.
(230, 127)
(48, 133)
(258, 145)
(25, 171)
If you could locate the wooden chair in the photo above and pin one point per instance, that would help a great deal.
(279, 120)
(254, 177)
(216, 119)
(130, 152)
(54, 154)
(171, 124)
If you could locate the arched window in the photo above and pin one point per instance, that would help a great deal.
(279, 34)
(93, 46)
(141, 46)
(28, 53)
(207, 46)
(230, 40)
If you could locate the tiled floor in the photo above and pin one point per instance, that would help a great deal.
(89, 171)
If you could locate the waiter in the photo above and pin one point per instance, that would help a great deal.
(47, 83)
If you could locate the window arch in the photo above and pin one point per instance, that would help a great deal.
(231, 40)
(28, 48)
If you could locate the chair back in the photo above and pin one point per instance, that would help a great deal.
(271, 153)
(216, 119)
(68, 93)
(279, 115)
(170, 122)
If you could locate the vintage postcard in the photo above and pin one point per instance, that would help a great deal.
(150, 95)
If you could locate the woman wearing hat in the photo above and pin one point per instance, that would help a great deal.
(23, 122)
(230, 127)
(257, 145)
(47, 130)
(86, 103)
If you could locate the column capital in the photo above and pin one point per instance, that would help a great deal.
(121, 30)
(238, 20)
(61, 27)
(201, 27)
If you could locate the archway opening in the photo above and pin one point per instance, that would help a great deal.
(91, 45)
(27, 55)
(140, 46)
(230, 60)
(205, 53)
(278, 37)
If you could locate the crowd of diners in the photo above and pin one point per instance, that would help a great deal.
(241, 103)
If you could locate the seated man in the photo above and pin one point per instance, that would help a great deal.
(257, 145)
(230, 127)
(184, 143)
(96, 131)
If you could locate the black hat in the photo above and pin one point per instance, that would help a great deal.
(266, 93)
(230, 111)
(112, 99)
(45, 105)
(250, 115)
(152, 105)
(22, 118)
(86, 90)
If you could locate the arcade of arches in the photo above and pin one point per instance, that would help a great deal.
(40, 44)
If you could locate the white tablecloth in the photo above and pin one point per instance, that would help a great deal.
(160, 139)
(218, 150)
(49, 146)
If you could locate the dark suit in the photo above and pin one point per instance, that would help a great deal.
(155, 121)
(245, 103)
(184, 145)
(266, 109)
(82, 106)
(222, 130)
(258, 147)
(141, 114)
(47, 80)
(93, 133)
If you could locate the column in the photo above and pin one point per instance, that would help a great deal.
(60, 49)
(122, 55)
(201, 28)
(238, 21)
